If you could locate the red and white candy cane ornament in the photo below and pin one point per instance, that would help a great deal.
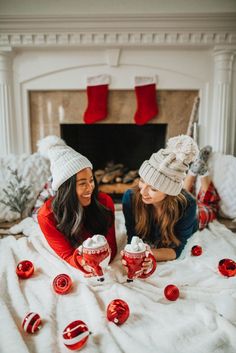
(75, 335)
(62, 284)
(31, 323)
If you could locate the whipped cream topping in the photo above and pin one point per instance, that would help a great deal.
(95, 242)
(136, 245)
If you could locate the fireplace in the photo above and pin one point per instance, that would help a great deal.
(129, 144)
(115, 144)
(117, 138)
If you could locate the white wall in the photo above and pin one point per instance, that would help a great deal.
(73, 7)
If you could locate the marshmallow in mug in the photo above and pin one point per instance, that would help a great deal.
(136, 245)
(96, 241)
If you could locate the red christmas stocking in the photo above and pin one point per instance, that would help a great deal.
(97, 93)
(147, 109)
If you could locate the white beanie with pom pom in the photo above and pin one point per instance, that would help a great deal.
(47, 142)
(65, 161)
(166, 169)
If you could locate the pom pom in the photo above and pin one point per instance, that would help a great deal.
(47, 142)
(166, 161)
(184, 147)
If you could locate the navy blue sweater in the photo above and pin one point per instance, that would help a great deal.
(184, 228)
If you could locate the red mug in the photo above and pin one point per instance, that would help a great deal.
(96, 253)
(135, 258)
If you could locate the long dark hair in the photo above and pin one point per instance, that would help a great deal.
(72, 219)
(171, 210)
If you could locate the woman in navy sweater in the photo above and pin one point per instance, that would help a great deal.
(158, 210)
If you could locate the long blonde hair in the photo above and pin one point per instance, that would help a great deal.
(171, 210)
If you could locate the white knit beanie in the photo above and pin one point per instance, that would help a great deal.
(166, 169)
(65, 161)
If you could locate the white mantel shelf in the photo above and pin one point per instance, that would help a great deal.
(204, 30)
(185, 51)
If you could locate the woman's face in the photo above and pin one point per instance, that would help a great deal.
(149, 195)
(84, 186)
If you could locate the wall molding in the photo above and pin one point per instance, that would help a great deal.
(190, 30)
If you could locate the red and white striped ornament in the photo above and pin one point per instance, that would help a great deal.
(75, 335)
(31, 323)
(62, 284)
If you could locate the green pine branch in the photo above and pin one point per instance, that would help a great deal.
(17, 194)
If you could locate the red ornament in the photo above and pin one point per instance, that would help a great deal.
(118, 311)
(171, 292)
(25, 269)
(75, 335)
(196, 250)
(31, 323)
(227, 267)
(62, 284)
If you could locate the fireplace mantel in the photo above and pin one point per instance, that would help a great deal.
(204, 30)
(185, 51)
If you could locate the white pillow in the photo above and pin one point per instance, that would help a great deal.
(35, 171)
(222, 169)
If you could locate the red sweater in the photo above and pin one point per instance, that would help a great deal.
(57, 240)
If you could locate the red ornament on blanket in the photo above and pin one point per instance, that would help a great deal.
(227, 267)
(62, 284)
(25, 269)
(118, 311)
(75, 335)
(171, 292)
(196, 250)
(31, 323)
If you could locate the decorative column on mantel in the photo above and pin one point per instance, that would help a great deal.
(6, 103)
(223, 126)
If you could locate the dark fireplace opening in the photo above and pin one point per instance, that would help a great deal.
(125, 144)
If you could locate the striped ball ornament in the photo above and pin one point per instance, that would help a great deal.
(75, 335)
(31, 323)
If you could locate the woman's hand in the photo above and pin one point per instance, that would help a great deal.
(146, 265)
(87, 268)
(124, 263)
(81, 264)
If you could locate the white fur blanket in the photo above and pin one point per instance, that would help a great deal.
(202, 320)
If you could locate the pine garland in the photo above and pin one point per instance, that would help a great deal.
(17, 193)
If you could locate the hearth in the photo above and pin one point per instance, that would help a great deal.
(123, 145)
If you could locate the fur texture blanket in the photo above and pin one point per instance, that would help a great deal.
(202, 320)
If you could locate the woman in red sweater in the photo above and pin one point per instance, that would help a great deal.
(78, 210)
